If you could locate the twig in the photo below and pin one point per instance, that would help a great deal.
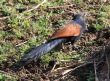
(62, 6)
(21, 43)
(42, 73)
(30, 16)
(100, 7)
(35, 7)
(108, 65)
(3, 18)
(64, 68)
(96, 77)
(64, 73)
(54, 66)
(1, 28)
(61, 60)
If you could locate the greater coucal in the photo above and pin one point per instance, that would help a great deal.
(70, 32)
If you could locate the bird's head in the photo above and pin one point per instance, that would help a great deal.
(81, 15)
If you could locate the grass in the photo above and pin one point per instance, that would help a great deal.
(37, 26)
(4, 77)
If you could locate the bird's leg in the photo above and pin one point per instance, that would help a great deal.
(70, 46)
(64, 48)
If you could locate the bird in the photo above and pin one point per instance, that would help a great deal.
(70, 32)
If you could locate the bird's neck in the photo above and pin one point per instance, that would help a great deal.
(80, 21)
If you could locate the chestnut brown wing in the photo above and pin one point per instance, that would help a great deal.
(67, 31)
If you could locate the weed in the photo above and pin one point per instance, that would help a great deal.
(106, 8)
(4, 77)
(2, 1)
(20, 6)
(2, 33)
(6, 10)
(90, 76)
(101, 14)
(34, 1)
(45, 59)
(78, 1)
(97, 26)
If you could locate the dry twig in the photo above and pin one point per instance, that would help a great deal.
(44, 75)
(62, 6)
(3, 18)
(107, 60)
(54, 66)
(35, 7)
(21, 43)
(73, 69)
(95, 68)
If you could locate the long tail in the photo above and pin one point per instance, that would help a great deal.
(41, 50)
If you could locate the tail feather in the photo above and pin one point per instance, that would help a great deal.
(41, 50)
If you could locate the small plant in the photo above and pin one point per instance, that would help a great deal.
(90, 76)
(2, 1)
(34, 1)
(97, 26)
(45, 59)
(5, 77)
(20, 6)
(59, 55)
(106, 8)
(2, 33)
(101, 14)
(6, 10)
(78, 1)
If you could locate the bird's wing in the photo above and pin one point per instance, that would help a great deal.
(67, 31)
